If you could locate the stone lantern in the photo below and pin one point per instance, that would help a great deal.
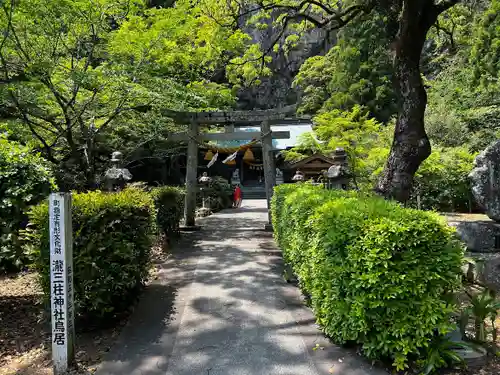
(235, 177)
(338, 175)
(116, 177)
(299, 176)
(205, 179)
(204, 184)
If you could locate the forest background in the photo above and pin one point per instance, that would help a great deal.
(80, 79)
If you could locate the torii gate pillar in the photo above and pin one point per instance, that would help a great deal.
(191, 177)
(269, 168)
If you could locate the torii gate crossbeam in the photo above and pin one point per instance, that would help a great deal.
(264, 118)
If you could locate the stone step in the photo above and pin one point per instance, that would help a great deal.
(254, 195)
(257, 192)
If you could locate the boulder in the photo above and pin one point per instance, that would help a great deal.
(480, 236)
(486, 269)
(485, 180)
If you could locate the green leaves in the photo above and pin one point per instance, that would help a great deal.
(486, 49)
(482, 306)
(353, 130)
(169, 204)
(179, 41)
(88, 67)
(441, 182)
(376, 273)
(112, 236)
(25, 180)
(441, 352)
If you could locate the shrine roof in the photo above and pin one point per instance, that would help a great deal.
(312, 161)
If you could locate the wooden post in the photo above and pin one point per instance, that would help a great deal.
(61, 282)
(269, 170)
(191, 176)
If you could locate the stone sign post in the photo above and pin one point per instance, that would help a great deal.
(235, 177)
(61, 282)
(191, 177)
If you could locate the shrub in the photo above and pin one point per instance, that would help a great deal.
(441, 180)
(377, 274)
(218, 194)
(112, 237)
(169, 204)
(25, 180)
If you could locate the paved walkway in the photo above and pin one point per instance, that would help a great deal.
(221, 307)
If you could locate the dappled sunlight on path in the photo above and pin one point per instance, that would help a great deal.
(221, 307)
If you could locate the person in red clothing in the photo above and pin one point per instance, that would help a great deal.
(237, 196)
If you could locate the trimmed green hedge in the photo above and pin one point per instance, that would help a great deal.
(112, 235)
(377, 274)
(169, 204)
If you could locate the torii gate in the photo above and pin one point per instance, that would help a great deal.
(264, 118)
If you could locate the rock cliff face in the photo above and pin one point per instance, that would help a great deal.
(276, 90)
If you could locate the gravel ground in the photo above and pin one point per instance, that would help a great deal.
(24, 339)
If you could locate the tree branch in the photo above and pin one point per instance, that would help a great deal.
(340, 19)
(30, 124)
(10, 27)
(449, 33)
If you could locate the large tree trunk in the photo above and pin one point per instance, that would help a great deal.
(410, 146)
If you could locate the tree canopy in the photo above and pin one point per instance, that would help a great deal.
(79, 79)
(75, 72)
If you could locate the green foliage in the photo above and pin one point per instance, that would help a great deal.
(181, 41)
(376, 273)
(218, 194)
(461, 112)
(482, 306)
(25, 180)
(112, 238)
(353, 130)
(94, 68)
(486, 46)
(442, 182)
(464, 91)
(440, 353)
(307, 144)
(169, 204)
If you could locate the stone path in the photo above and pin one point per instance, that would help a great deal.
(221, 307)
